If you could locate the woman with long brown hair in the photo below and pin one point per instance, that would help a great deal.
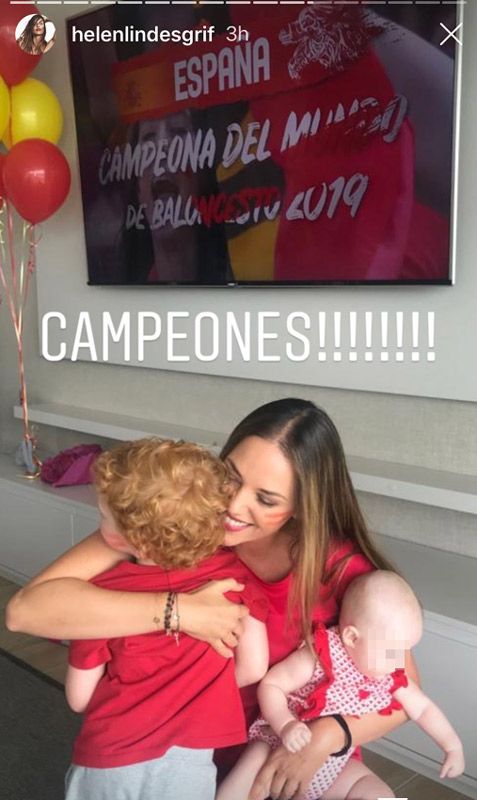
(295, 522)
(33, 39)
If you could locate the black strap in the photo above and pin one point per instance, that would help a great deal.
(349, 741)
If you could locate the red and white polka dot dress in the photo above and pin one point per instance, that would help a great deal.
(336, 687)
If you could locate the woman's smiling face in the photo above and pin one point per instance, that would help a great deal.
(264, 491)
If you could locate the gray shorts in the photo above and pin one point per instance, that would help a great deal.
(180, 774)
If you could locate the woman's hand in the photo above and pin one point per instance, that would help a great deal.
(287, 775)
(207, 615)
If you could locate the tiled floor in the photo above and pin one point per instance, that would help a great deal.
(51, 659)
(408, 784)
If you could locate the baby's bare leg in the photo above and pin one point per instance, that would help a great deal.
(239, 781)
(357, 782)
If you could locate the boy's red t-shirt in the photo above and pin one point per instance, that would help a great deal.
(156, 694)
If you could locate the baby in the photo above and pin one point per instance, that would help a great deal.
(157, 704)
(355, 668)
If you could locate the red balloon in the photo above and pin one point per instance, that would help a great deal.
(2, 186)
(37, 178)
(15, 64)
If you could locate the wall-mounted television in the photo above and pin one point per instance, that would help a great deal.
(267, 144)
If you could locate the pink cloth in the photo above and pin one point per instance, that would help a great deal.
(70, 467)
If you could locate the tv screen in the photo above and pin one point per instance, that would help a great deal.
(266, 144)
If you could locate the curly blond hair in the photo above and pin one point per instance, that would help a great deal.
(168, 498)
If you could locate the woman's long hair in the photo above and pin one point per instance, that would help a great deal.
(27, 39)
(326, 507)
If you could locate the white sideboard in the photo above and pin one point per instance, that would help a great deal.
(438, 488)
(37, 522)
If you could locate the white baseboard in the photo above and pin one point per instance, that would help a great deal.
(13, 576)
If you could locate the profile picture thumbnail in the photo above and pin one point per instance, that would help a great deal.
(35, 34)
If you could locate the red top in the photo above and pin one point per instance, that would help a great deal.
(283, 637)
(155, 694)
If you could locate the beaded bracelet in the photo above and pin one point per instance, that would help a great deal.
(176, 619)
(172, 601)
(168, 611)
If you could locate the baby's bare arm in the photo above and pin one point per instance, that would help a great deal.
(422, 710)
(287, 676)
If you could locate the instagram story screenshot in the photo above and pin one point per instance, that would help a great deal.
(238, 399)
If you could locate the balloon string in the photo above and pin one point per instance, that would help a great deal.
(8, 296)
(21, 302)
(13, 267)
(10, 122)
(29, 272)
(23, 391)
(16, 314)
(2, 228)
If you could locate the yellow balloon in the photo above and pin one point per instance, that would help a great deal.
(4, 106)
(35, 113)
